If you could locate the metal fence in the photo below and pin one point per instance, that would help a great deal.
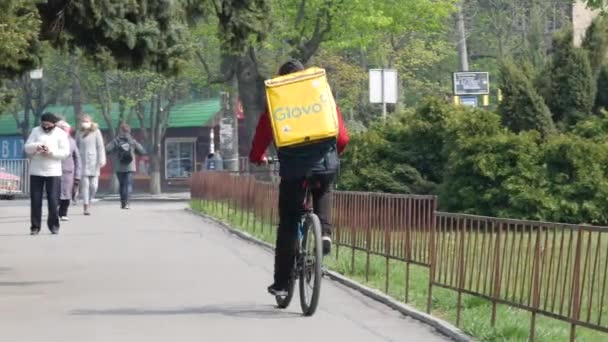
(556, 270)
(14, 177)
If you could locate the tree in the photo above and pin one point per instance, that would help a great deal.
(19, 26)
(461, 39)
(601, 100)
(34, 96)
(570, 87)
(134, 33)
(596, 44)
(163, 95)
(522, 108)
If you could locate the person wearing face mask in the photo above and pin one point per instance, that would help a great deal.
(93, 157)
(46, 147)
(71, 173)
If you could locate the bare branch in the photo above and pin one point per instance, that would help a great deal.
(301, 13)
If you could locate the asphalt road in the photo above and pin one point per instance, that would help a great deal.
(157, 273)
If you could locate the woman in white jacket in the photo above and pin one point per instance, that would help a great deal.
(46, 147)
(93, 158)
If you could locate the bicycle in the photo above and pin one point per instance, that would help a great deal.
(309, 257)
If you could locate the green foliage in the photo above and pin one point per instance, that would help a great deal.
(134, 33)
(494, 175)
(577, 179)
(242, 23)
(596, 43)
(373, 162)
(601, 100)
(594, 127)
(570, 87)
(19, 26)
(404, 155)
(522, 109)
(488, 168)
(345, 78)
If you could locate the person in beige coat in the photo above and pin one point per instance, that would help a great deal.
(93, 158)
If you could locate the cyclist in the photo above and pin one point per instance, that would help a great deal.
(317, 162)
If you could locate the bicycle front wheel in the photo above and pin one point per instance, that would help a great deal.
(311, 271)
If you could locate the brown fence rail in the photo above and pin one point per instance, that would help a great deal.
(556, 270)
(395, 227)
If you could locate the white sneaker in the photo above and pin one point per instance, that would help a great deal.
(64, 218)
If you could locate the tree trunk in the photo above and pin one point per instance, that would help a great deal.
(251, 91)
(76, 91)
(27, 105)
(229, 134)
(155, 163)
(463, 55)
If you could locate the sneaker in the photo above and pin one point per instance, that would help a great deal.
(127, 207)
(35, 232)
(326, 245)
(64, 218)
(55, 231)
(277, 291)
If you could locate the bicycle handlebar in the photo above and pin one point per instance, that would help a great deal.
(272, 161)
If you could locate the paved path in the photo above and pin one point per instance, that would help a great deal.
(157, 273)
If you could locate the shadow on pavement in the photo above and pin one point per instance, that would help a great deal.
(231, 310)
(45, 232)
(28, 283)
(14, 221)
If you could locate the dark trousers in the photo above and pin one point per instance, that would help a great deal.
(291, 198)
(125, 180)
(63, 207)
(38, 185)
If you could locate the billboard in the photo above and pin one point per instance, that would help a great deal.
(471, 83)
(11, 147)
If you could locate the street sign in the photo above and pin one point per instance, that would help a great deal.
(383, 87)
(471, 83)
(470, 101)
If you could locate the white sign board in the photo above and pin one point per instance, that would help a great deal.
(383, 86)
(471, 83)
(36, 74)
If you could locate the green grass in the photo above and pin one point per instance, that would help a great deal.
(511, 324)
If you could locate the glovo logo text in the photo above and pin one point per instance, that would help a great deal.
(284, 113)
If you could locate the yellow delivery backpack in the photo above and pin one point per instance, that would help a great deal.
(301, 107)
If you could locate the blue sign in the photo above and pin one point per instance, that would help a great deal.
(468, 101)
(11, 147)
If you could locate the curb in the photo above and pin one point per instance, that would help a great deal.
(440, 325)
(116, 199)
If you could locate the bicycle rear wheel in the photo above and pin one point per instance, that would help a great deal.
(310, 271)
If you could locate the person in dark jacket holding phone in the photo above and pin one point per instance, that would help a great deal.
(123, 150)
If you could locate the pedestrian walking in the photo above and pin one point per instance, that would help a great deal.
(70, 177)
(93, 157)
(46, 147)
(122, 151)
